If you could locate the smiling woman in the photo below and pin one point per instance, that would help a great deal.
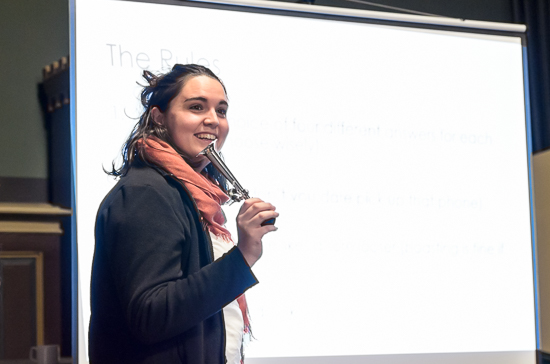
(168, 282)
(195, 118)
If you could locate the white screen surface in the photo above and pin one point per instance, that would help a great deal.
(397, 158)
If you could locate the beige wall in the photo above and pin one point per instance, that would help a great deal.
(541, 172)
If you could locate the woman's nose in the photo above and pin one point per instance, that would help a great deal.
(211, 118)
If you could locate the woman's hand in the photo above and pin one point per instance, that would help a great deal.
(252, 214)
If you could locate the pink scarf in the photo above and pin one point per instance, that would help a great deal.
(206, 194)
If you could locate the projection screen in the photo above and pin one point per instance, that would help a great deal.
(397, 153)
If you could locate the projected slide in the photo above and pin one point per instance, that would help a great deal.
(396, 157)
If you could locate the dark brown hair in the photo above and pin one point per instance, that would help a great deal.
(159, 92)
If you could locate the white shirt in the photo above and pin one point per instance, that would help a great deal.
(233, 317)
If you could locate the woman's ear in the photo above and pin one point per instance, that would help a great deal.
(157, 115)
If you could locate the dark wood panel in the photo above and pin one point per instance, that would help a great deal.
(21, 309)
(49, 245)
(18, 189)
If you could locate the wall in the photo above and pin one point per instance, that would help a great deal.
(487, 10)
(541, 174)
(33, 34)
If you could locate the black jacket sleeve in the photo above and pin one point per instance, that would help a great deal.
(146, 239)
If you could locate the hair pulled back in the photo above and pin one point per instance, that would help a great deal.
(159, 92)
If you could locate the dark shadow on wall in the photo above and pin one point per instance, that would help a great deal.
(536, 15)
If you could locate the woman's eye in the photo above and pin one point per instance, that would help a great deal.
(196, 107)
(222, 112)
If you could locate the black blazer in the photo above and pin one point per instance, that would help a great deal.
(156, 294)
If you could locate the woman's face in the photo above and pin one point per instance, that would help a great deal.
(195, 118)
